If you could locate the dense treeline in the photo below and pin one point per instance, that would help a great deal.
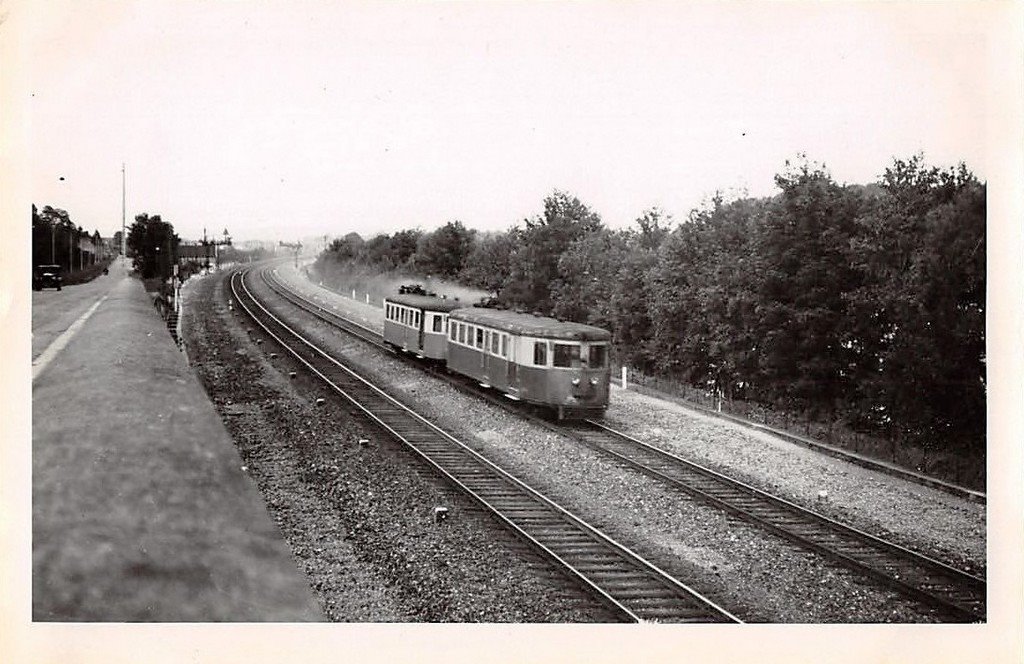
(56, 240)
(850, 303)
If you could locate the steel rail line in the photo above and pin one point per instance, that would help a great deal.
(951, 593)
(630, 585)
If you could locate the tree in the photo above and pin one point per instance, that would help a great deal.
(444, 252)
(346, 248)
(651, 229)
(154, 246)
(588, 272)
(803, 314)
(703, 320)
(53, 237)
(534, 261)
(387, 252)
(488, 265)
(921, 307)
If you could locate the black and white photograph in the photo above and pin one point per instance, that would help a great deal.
(511, 331)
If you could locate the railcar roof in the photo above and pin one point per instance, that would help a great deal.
(530, 325)
(427, 302)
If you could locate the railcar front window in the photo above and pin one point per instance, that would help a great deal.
(462, 333)
(494, 342)
(567, 355)
(437, 323)
(540, 353)
(598, 356)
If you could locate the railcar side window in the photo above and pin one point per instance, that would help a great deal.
(437, 323)
(598, 356)
(567, 355)
(540, 353)
(451, 333)
(479, 338)
(494, 342)
(462, 332)
(504, 345)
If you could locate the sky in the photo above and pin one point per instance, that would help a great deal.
(280, 121)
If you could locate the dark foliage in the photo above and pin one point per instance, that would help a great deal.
(153, 246)
(56, 240)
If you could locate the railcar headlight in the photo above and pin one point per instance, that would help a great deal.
(593, 381)
(575, 381)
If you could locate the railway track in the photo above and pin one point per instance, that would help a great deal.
(950, 594)
(630, 586)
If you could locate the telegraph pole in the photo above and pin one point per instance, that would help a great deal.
(124, 238)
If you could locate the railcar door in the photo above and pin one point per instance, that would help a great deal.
(484, 344)
(513, 372)
(422, 315)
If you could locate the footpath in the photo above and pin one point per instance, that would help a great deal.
(141, 507)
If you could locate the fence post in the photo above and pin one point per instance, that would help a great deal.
(367, 298)
(353, 293)
(623, 377)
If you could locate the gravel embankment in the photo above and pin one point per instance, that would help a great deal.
(925, 519)
(359, 517)
(753, 574)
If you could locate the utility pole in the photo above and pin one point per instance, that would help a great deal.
(124, 237)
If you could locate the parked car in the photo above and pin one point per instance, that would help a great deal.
(47, 276)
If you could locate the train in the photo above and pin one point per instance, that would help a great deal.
(560, 366)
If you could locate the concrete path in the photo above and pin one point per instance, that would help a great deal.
(141, 510)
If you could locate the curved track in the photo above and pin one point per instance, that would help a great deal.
(950, 594)
(631, 586)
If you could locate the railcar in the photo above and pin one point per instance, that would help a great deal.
(555, 364)
(417, 322)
